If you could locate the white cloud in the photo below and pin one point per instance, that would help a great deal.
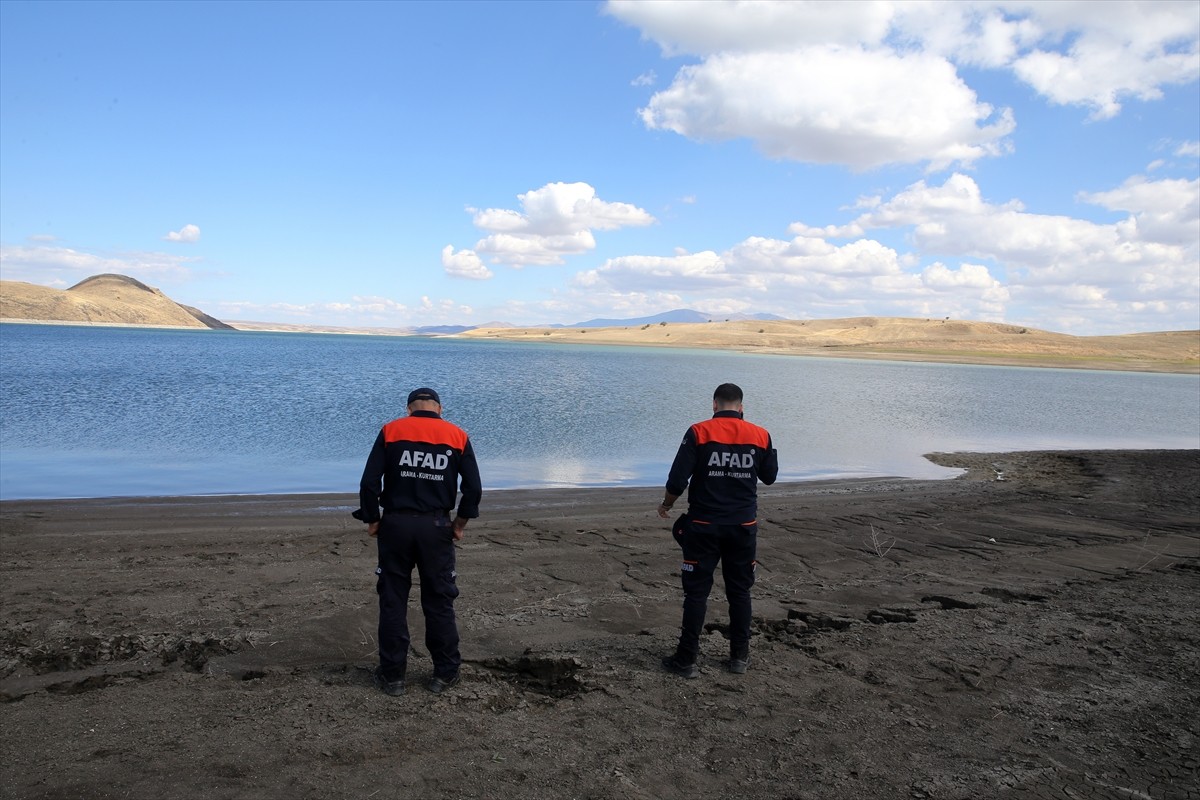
(1146, 260)
(973, 276)
(373, 305)
(554, 222)
(359, 311)
(825, 81)
(1191, 149)
(1116, 50)
(708, 27)
(48, 265)
(833, 105)
(799, 278)
(1165, 212)
(1054, 250)
(523, 248)
(188, 234)
(967, 257)
(464, 264)
(646, 273)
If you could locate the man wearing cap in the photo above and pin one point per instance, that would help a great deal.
(720, 462)
(421, 461)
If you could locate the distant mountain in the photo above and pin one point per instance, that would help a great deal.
(678, 315)
(106, 299)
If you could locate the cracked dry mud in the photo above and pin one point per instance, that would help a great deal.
(1030, 637)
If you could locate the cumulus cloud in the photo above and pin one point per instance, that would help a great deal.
(49, 265)
(374, 305)
(1144, 261)
(1116, 50)
(553, 222)
(188, 234)
(707, 27)
(804, 276)
(464, 264)
(993, 261)
(825, 81)
(1159, 238)
(357, 312)
(834, 105)
(1163, 211)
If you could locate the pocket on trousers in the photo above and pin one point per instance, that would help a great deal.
(444, 527)
(680, 526)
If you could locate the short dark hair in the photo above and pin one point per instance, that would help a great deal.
(728, 393)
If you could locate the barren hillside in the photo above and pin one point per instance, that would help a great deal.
(101, 299)
(896, 338)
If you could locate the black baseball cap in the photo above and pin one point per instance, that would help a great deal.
(423, 394)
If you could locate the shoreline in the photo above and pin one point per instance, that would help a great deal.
(1136, 364)
(973, 466)
(1185, 362)
(342, 499)
(86, 324)
(1026, 629)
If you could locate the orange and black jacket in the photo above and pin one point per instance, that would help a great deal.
(720, 463)
(420, 460)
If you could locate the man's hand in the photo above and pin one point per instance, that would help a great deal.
(664, 508)
(460, 525)
(373, 529)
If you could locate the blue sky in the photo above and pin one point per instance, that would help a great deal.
(400, 164)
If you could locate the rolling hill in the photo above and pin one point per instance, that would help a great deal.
(894, 338)
(101, 299)
(120, 300)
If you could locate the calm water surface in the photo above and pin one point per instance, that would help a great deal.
(97, 412)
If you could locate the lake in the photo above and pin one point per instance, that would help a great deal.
(99, 412)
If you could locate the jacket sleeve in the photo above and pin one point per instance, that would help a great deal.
(684, 464)
(469, 483)
(370, 486)
(768, 471)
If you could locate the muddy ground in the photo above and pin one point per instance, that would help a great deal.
(1029, 630)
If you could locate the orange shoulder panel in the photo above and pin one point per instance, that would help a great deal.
(730, 430)
(428, 430)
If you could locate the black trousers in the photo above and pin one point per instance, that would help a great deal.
(704, 546)
(426, 542)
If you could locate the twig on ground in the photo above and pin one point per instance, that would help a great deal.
(880, 547)
(1143, 550)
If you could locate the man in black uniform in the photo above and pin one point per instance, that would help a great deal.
(420, 460)
(722, 459)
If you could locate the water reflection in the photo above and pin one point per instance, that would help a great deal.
(96, 412)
